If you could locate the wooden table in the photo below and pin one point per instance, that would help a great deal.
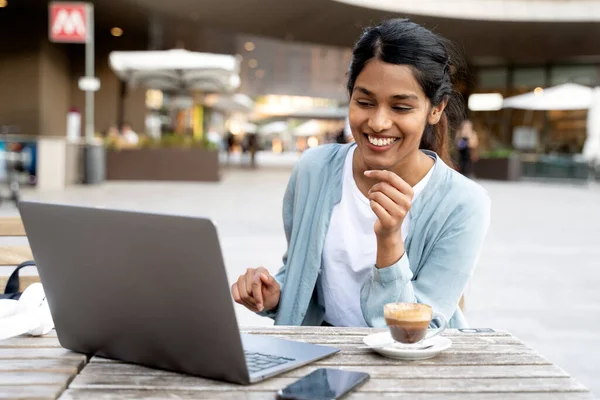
(478, 366)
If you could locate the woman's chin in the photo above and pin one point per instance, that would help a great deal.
(378, 163)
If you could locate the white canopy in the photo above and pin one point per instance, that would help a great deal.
(274, 127)
(237, 102)
(591, 147)
(309, 128)
(569, 96)
(249, 127)
(177, 70)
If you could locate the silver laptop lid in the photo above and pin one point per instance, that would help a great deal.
(143, 288)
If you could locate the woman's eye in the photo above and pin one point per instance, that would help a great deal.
(401, 109)
(363, 103)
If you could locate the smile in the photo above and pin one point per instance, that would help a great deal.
(380, 142)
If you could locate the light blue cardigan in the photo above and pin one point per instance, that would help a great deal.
(449, 221)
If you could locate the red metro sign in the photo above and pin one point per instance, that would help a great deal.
(68, 22)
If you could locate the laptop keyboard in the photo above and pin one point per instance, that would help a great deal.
(260, 361)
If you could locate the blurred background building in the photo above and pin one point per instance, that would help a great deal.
(255, 82)
(293, 57)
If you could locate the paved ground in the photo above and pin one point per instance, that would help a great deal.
(538, 276)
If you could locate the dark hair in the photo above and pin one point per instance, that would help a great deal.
(433, 60)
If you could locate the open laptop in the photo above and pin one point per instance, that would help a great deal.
(149, 289)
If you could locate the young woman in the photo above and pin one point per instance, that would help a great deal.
(384, 219)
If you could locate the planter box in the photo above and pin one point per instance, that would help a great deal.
(163, 164)
(503, 169)
(557, 168)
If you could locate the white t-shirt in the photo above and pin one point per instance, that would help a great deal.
(350, 250)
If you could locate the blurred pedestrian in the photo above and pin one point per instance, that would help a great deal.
(129, 137)
(467, 143)
(253, 148)
(383, 219)
(112, 133)
(228, 144)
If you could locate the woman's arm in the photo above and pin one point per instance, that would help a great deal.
(444, 275)
(288, 218)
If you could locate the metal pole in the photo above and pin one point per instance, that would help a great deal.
(89, 72)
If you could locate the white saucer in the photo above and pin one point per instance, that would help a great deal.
(400, 352)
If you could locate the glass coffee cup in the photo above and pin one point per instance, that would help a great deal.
(409, 322)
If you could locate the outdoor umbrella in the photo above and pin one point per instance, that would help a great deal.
(569, 96)
(177, 70)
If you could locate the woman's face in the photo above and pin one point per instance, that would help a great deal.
(388, 113)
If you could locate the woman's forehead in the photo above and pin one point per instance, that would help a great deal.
(388, 80)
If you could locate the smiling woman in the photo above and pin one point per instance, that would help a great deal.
(383, 219)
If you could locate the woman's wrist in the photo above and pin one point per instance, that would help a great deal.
(390, 250)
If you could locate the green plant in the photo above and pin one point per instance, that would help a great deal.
(497, 153)
(169, 140)
(112, 143)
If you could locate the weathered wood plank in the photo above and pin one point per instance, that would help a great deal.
(85, 394)
(59, 365)
(34, 378)
(14, 255)
(456, 348)
(29, 341)
(39, 392)
(322, 330)
(39, 354)
(342, 339)
(372, 359)
(352, 349)
(395, 371)
(442, 359)
(351, 334)
(484, 365)
(462, 385)
(11, 226)
(357, 339)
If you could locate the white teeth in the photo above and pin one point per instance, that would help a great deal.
(381, 142)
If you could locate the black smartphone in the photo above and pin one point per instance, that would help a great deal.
(323, 384)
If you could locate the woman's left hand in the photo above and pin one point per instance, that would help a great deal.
(390, 199)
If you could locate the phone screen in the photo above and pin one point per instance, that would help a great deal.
(323, 384)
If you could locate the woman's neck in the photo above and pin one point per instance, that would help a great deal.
(411, 169)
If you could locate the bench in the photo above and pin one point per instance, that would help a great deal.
(12, 255)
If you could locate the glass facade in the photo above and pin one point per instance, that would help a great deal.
(558, 131)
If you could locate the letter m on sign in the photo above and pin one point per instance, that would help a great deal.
(68, 22)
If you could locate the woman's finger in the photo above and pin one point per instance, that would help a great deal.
(257, 290)
(249, 280)
(394, 194)
(392, 179)
(384, 217)
(235, 293)
(244, 295)
(395, 210)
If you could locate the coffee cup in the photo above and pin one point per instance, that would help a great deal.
(409, 322)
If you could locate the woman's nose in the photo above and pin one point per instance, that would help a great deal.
(380, 120)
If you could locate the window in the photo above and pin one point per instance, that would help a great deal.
(492, 78)
(582, 74)
(528, 77)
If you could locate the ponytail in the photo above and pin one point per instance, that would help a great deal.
(436, 138)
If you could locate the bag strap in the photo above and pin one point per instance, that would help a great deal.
(12, 285)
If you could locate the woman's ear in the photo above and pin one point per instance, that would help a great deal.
(436, 112)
